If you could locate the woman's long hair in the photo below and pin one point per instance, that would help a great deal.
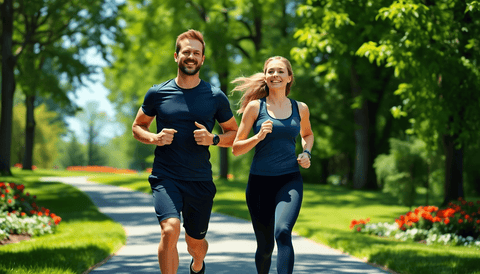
(255, 87)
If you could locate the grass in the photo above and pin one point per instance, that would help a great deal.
(83, 238)
(325, 218)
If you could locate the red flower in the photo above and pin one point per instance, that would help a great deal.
(446, 221)
(460, 221)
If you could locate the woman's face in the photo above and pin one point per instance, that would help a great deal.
(276, 75)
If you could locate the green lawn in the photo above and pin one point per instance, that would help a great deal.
(325, 218)
(83, 238)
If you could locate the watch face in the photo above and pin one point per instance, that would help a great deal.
(216, 140)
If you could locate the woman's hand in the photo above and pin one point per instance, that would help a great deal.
(266, 128)
(303, 160)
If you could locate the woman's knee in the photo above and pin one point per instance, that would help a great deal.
(283, 235)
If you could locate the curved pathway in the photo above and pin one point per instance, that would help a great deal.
(231, 240)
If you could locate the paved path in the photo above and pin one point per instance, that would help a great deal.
(231, 240)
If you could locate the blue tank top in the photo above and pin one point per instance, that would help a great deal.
(275, 155)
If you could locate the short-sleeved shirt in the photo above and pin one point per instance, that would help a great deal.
(179, 109)
(275, 155)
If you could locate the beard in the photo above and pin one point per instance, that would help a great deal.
(189, 71)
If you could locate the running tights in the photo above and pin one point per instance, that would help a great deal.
(274, 204)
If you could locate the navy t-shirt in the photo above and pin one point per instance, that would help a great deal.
(275, 155)
(179, 108)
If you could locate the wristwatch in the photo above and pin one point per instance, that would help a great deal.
(309, 153)
(216, 139)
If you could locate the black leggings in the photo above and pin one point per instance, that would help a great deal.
(274, 203)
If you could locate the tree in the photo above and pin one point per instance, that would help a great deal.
(234, 32)
(434, 47)
(48, 29)
(330, 34)
(47, 135)
(9, 60)
(73, 154)
(94, 124)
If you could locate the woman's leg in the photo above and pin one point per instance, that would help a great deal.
(262, 212)
(289, 201)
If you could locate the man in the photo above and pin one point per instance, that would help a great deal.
(185, 109)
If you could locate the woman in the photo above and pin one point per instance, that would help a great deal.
(275, 186)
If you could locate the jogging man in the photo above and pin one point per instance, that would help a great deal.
(185, 109)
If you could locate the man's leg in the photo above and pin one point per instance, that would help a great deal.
(198, 250)
(167, 249)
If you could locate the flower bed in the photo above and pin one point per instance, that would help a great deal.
(106, 169)
(458, 224)
(20, 214)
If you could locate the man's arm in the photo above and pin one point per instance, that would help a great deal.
(141, 132)
(230, 129)
(205, 138)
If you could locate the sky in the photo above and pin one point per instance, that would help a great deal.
(95, 92)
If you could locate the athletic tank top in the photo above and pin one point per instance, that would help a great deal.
(275, 155)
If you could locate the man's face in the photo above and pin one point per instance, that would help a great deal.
(190, 58)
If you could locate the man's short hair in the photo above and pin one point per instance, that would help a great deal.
(190, 34)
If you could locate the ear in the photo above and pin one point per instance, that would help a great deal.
(175, 57)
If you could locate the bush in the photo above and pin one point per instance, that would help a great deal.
(403, 169)
(458, 224)
(20, 214)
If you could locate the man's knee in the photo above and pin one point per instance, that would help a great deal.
(170, 228)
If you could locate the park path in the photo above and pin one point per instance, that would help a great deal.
(231, 240)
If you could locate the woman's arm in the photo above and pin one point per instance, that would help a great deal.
(242, 144)
(307, 135)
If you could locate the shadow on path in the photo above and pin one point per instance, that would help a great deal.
(231, 240)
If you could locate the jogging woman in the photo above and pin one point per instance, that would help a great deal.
(275, 186)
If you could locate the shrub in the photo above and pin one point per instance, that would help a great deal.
(20, 214)
(401, 171)
(457, 224)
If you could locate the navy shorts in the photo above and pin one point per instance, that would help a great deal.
(193, 198)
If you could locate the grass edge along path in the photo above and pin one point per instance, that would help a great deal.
(84, 238)
(325, 217)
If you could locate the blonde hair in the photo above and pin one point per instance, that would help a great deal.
(254, 87)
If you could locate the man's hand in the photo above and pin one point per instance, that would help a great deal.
(303, 160)
(202, 136)
(165, 137)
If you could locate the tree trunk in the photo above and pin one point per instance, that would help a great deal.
(223, 150)
(453, 170)
(363, 175)
(8, 87)
(30, 132)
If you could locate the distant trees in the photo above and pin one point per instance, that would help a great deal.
(57, 32)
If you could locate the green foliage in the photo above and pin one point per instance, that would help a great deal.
(73, 154)
(47, 136)
(403, 170)
(434, 49)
